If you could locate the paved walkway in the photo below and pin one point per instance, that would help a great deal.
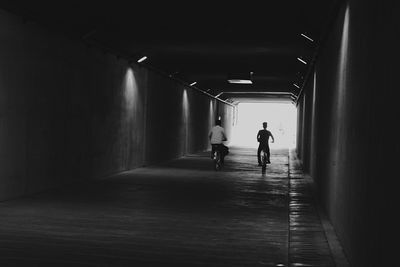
(181, 213)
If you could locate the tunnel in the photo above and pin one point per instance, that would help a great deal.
(105, 116)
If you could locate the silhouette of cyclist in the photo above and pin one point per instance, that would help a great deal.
(263, 138)
(217, 137)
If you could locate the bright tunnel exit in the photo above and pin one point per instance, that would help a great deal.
(281, 119)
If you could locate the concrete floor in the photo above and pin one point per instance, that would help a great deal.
(181, 213)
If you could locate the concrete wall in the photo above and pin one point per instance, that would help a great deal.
(70, 113)
(352, 148)
(304, 120)
(227, 114)
(178, 120)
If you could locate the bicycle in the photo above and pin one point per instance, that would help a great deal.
(217, 160)
(264, 160)
(217, 157)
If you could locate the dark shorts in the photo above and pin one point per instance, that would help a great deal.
(221, 147)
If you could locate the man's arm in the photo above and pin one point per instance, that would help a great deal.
(273, 140)
(210, 135)
(258, 136)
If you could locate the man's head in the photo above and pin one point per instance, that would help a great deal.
(265, 125)
(218, 122)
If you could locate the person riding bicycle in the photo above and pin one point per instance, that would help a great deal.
(263, 138)
(217, 137)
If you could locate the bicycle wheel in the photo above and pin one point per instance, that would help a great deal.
(217, 161)
(264, 161)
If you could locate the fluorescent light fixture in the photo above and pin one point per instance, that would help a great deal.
(193, 83)
(258, 92)
(219, 94)
(302, 61)
(296, 85)
(142, 59)
(308, 38)
(240, 81)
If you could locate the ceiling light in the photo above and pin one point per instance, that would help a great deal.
(308, 38)
(302, 61)
(258, 92)
(296, 85)
(193, 83)
(142, 59)
(240, 81)
(240, 77)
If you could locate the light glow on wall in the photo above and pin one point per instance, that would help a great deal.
(211, 114)
(281, 119)
(185, 101)
(185, 114)
(344, 47)
(130, 90)
(129, 120)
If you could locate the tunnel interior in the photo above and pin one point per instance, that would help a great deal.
(88, 92)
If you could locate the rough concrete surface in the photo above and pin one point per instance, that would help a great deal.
(181, 213)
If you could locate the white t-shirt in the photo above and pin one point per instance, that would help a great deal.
(217, 135)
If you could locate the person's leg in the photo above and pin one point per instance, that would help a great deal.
(222, 151)
(259, 154)
(212, 151)
(268, 153)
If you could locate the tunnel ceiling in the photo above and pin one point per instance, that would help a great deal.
(199, 41)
